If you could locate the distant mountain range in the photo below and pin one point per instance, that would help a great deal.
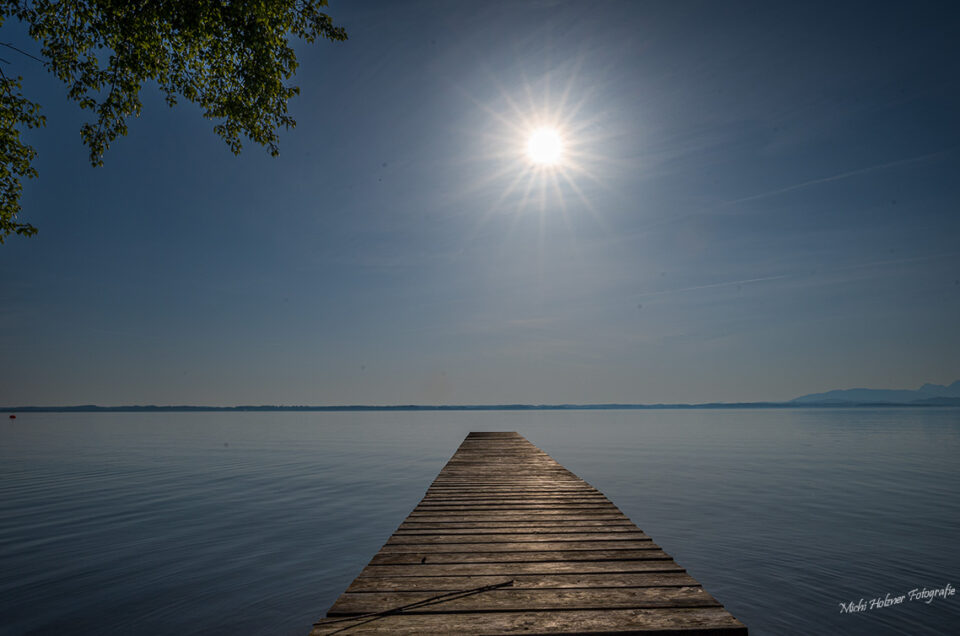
(929, 394)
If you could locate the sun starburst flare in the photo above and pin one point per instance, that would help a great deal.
(545, 147)
(538, 151)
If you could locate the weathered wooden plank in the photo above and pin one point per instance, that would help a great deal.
(521, 498)
(532, 515)
(507, 489)
(536, 486)
(523, 556)
(506, 599)
(499, 527)
(472, 459)
(506, 472)
(515, 492)
(514, 495)
(515, 507)
(461, 499)
(518, 515)
(510, 569)
(520, 581)
(553, 537)
(531, 471)
(536, 478)
(697, 621)
(500, 503)
(523, 475)
(518, 546)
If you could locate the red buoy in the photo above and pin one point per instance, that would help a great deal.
(13, 417)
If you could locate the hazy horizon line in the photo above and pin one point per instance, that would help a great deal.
(946, 401)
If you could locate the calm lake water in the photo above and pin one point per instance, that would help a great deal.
(224, 523)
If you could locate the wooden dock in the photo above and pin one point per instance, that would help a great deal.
(507, 540)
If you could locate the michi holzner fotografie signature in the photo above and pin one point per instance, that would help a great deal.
(916, 594)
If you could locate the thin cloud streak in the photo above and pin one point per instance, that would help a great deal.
(783, 276)
(713, 285)
(838, 177)
(899, 261)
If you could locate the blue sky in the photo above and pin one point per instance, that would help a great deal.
(755, 202)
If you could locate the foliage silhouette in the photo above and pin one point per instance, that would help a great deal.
(230, 57)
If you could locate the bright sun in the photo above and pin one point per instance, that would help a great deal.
(545, 147)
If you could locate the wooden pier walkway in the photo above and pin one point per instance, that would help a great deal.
(507, 540)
